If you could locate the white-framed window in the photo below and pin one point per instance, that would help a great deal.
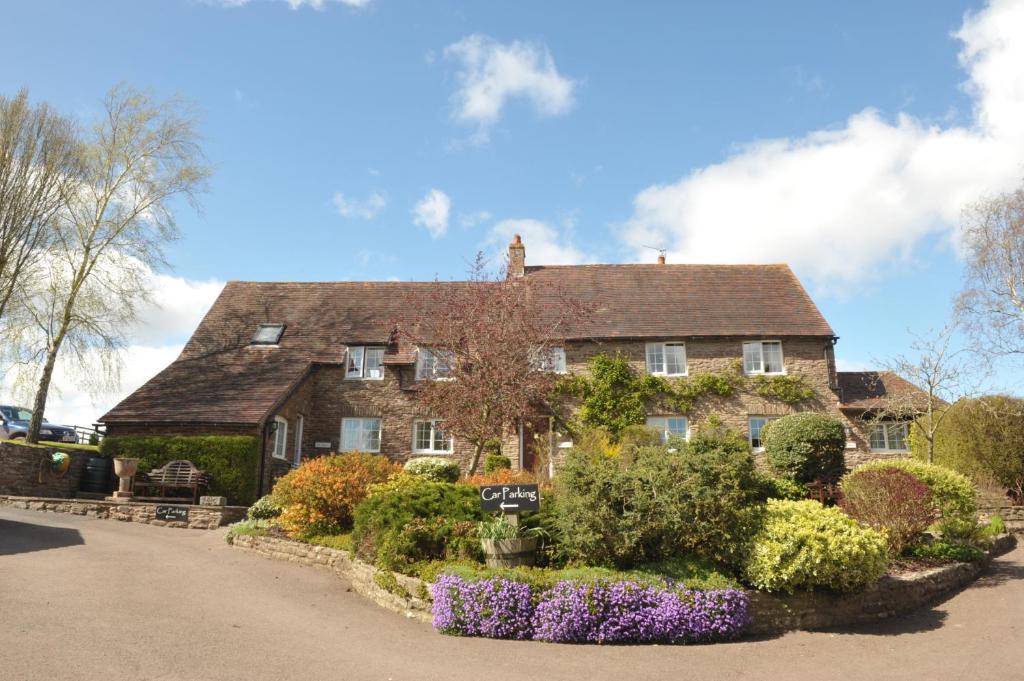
(429, 438)
(550, 359)
(366, 363)
(763, 357)
(666, 359)
(888, 436)
(669, 426)
(432, 365)
(755, 424)
(360, 435)
(300, 425)
(280, 438)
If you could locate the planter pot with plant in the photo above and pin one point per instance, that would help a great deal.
(506, 545)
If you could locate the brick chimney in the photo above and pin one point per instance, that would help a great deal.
(516, 257)
(661, 258)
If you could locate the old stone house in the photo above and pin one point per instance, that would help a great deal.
(312, 368)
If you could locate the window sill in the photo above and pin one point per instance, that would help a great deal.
(279, 458)
(360, 378)
(430, 452)
(764, 373)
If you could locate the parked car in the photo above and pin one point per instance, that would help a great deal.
(14, 425)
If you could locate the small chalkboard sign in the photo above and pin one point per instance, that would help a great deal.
(172, 513)
(510, 498)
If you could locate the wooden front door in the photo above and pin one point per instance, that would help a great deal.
(533, 443)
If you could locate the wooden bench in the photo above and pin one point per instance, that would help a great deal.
(174, 475)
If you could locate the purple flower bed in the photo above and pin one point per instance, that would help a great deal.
(493, 608)
(598, 612)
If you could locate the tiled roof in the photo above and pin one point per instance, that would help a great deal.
(220, 378)
(860, 390)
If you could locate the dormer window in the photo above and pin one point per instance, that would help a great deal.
(432, 365)
(763, 357)
(365, 363)
(267, 334)
(666, 359)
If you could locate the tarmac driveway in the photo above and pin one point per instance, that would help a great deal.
(97, 599)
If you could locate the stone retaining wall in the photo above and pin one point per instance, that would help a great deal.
(403, 594)
(20, 467)
(199, 517)
(1012, 515)
(771, 613)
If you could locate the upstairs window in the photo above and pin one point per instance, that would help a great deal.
(756, 424)
(267, 334)
(549, 359)
(670, 426)
(666, 359)
(432, 365)
(763, 357)
(429, 438)
(365, 363)
(888, 436)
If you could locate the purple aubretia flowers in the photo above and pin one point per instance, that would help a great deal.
(588, 612)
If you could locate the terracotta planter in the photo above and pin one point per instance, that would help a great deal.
(125, 469)
(507, 553)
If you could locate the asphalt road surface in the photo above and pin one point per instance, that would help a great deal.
(82, 598)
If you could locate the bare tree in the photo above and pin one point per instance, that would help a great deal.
(992, 302)
(140, 157)
(494, 340)
(40, 162)
(945, 373)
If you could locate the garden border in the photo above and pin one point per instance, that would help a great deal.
(199, 517)
(891, 596)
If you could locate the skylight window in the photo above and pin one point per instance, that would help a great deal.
(267, 334)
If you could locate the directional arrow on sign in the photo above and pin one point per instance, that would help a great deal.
(503, 506)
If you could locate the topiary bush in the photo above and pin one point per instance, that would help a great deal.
(653, 504)
(804, 545)
(805, 447)
(319, 496)
(232, 461)
(381, 519)
(955, 498)
(496, 462)
(889, 499)
(265, 508)
(433, 468)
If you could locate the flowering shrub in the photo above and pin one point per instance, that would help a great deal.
(503, 476)
(587, 611)
(433, 468)
(494, 608)
(803, 545)
(889, 499)
(319, 496)
(628, 612)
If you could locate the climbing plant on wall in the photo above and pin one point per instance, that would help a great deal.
(612, 395)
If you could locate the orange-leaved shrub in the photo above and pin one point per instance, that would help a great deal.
(891, 500)
(319, 496)
(503, 476)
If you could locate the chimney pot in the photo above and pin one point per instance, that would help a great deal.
(661, 259)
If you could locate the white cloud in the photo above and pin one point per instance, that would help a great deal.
(843, 364)
(154, 341)
(473, 219)
(850, 204)
(490, 73)
(366, 209)
(296, 4)
(545, 244)
(432, 212)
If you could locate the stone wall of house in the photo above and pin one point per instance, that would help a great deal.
(199, 517)
(24, 473)
(299, 403)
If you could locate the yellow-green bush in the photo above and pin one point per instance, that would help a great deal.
(804, 545)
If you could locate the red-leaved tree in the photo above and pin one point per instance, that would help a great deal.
(496, 339)
(890, 500)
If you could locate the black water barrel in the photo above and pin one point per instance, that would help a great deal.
(98, 475)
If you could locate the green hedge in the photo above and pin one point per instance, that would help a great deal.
(232, 461)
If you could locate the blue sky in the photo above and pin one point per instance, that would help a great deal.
(377, 139)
